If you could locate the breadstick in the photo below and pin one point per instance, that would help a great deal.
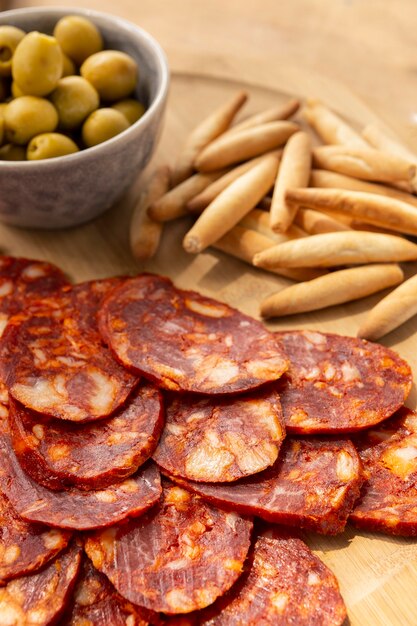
(145, 233)
(203, 199)
(358, 225)
(334, 288)
(330, 127)
(340, 248)
(274, 114)
(342, 218)
(380, 140)
(332, 180)
(173, 204)
(315, 223)
(244, 145)
(231, 205)
(392, 311)
(365, 163)
(259, 220)
(379, 210)
(294, 171)
(208, 130)
(244, 243)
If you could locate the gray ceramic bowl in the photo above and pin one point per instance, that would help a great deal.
(70, 190)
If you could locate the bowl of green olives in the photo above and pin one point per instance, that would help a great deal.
(82, 100)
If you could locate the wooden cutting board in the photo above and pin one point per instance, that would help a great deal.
(377, 574)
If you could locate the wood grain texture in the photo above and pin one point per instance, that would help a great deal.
(325, 48)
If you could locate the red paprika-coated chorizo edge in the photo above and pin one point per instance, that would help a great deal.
(184, 341)
(389, 494)
(313, 485)
(339, 384)
(59, 454)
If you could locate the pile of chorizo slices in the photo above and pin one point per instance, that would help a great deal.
(159, 452)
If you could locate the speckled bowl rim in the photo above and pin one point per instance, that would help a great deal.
(136, 33)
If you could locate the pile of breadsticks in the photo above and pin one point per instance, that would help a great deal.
(332, 217)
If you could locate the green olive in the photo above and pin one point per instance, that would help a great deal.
(10, 37)
(49, 146)
(16, 91)
(37, 64)
(78, 37)
(101, 125)
(74, 99)
(10, 152)
(113, 73)
(69, 68)
(130, 108)
(28, 116)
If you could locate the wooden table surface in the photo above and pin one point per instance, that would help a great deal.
(359, 56)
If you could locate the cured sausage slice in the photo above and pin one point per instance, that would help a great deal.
(178, 557)
(23, 280)
(187, 342)
(389, 496)
(97, 603)
(339, 384)
(284, 583)
(89, 456)
(313, 485)
(25, 547)
(41, 598)
(54, 362)
(80, 510)
(220, 440)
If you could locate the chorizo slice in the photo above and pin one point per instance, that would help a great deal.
(25, 547)
(388, 500)
(339, 384)
(92, 455)
(73, 508)
(53, 360)
(178, 557)
(187, 342)
(313, 485)
(41, 598)
(97, 603)
(284, 583)
(220, 439)
(25, 280)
